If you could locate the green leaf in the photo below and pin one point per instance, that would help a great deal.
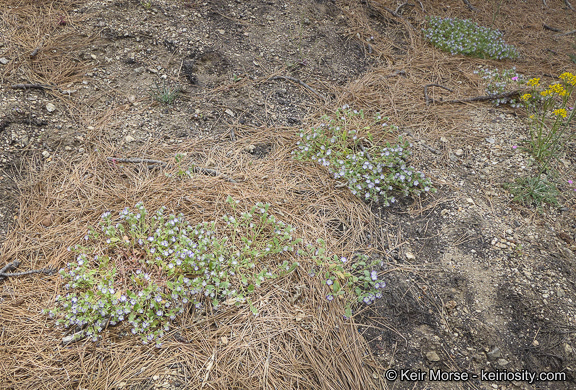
(336, 286)
(348, 311)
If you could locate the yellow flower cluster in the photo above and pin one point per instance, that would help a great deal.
(533, 82)
(554, 88)
(526, 96)
(569, 78)
(560, 112)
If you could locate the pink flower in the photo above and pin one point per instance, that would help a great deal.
(515, 78)
(570, 181)
(514, 147)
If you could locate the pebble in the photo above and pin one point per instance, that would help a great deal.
(50, 107)
(129, 139)
(46, 154)
(432, 356)
(4, 60)
(410, 256)
(490, 140)
(459, 152)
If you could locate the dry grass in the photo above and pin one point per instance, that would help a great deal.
(287, 346)
(306, 345)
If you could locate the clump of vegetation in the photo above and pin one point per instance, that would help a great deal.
(500, 82)
(458, 36)
(372, 172)
(164, 94)
(145, 271)
(550, 118)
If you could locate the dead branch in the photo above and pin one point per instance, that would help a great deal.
(485, 98)
(31, 86)
(428, 100)
(12, 266)
(301, 83)
(566, 33)
(213, 172)
(470, 6)
(546, 27)
(568, 5)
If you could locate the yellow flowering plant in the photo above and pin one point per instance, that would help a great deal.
(550, 115)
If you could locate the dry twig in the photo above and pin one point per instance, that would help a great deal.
(301, 83)
(470, 6)
(12, 266)
(428, 100)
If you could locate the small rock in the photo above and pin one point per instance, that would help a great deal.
(4, 60)
(229, 112)
(155, 377)
(443, 139)
(494, 354)
(139, 70)
(224, 340)
(67, 148)
(535, 343)
(222, 32)
(567, 349)
(410, 256)
(46, 154)
(129, 139)
(81, 150)
(432, 356)
(470, 200)
(459, 152)
(50, 107)
(47, 221)
(502, 362)
(491, 140)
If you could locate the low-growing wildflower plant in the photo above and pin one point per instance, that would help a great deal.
(372, 172)
(347, 279)
(146, 270)
(499, 82)
(458, 36)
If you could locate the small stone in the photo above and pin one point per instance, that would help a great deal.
(432, 356)
(129, 139)
(443, 139)
(92, 56)
(459, 152)
(50, 107)
(155, 377)
(139, 70)
(535, 343)
(470, 200)
(4, 60)
(67, 148)
(81, 150)
(502, 362)
(229, 112)
(47, 221)
(494, 354)
(222, 32)
(224, 340)
(567, 349)
(46, 154)
(410, 256)
(490, 140)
